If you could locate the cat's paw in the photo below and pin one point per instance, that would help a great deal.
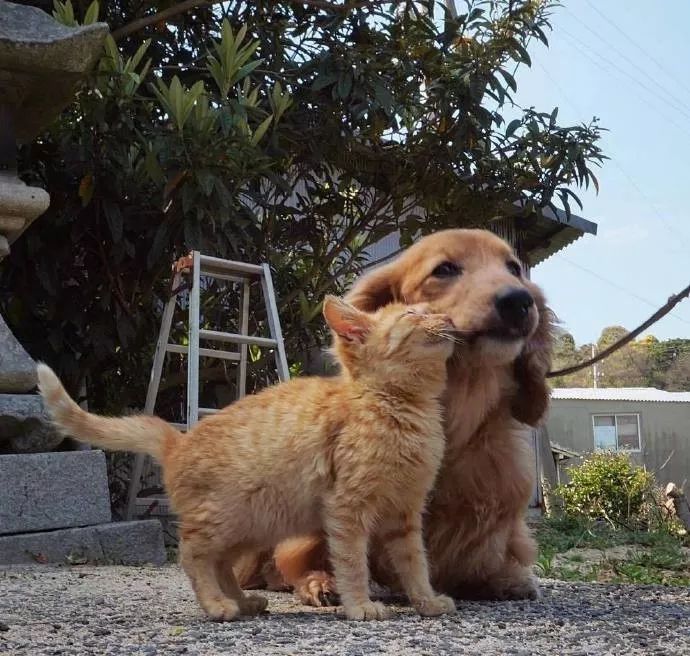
(434, 606)
(222, 610)
(370, 610)
(253, 604)
(317, 589)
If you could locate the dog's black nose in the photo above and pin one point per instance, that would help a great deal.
(513, 306)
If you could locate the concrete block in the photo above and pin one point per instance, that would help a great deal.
(25, 426)
(117, 543)
(43, 491)
(17, 369)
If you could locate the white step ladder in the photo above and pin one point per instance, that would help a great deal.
(195, 265)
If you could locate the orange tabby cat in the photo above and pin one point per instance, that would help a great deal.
(351, 456)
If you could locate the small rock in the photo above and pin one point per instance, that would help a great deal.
(102, 632)
(4, 627)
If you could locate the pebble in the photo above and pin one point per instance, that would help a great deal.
(102, 632)
(141, 624)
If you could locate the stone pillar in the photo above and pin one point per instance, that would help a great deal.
(55, 505)
(41, 64)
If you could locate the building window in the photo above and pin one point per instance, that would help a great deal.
(616, 432)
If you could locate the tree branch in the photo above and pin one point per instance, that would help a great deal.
(186, 5)
(661, 312)
(165, 15)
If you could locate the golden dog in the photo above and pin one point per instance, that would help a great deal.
(475, 529)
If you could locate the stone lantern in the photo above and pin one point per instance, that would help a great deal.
(41, 64)
(55, 505)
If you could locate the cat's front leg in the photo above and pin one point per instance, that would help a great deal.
(348, 548)
(405, 545)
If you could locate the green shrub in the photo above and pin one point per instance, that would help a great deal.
(607, 486)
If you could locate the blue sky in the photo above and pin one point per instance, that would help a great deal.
(631, 72)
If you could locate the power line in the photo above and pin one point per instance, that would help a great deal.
(661, 312)
(678, 103)
(665, 222)
(618, 287)
(669, 226)
(583, 48)
(647, 54)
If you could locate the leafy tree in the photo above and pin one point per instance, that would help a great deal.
(669, 362)
(293, 132)
(566, 354)
(630, 366)
(646, 362)
(677, 377)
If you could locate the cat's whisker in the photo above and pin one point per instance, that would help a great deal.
(447, 335)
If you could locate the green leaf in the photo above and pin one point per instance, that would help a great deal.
(552, 118)
(521, 53)
(92, 12)
(324, 81)
(205, 179)
(595, 182)
(245, 70)
(111, 51)
(63, 12)
(114, 218)
(136, 58)
(261, 130)
(344, 85)
(512, 126)
(510, 80)
(384, 97)
(160, 241)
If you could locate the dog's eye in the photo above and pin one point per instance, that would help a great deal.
(446, 270)
(514, 268)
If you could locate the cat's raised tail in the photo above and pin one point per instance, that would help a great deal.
(140, 433)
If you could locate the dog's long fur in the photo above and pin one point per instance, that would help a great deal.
(478, 541)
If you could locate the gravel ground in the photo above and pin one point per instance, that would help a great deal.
(125, 610)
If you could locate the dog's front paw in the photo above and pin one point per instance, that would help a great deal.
(524, 587)
(222, 609)
(317, 589)
(370, 610)
(434, 606)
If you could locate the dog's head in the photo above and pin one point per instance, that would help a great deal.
(475, 278)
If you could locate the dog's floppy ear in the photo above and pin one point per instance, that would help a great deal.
(376, 289)
(531, 400)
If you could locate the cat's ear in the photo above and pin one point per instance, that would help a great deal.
(346, 321)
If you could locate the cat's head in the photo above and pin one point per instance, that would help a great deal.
(395, 340)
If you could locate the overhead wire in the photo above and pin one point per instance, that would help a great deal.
(662, 219)
(630, 180)
(602, 61)
(664, 69)
(678, 103)
(618, 286)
